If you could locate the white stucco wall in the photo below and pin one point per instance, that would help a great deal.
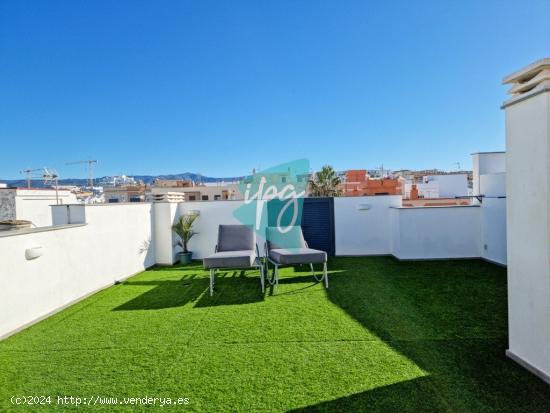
(493, 212)
(488, 174)
(34, 204)
(362, 231)
(76, 261)
(492, 185)
(485, 163)
(165, 215)
(493, 230)
(436, 232)
(212, 214)
(528, 223)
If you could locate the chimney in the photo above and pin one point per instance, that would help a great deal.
(414, 192)
(527, 115)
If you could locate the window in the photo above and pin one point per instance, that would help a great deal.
(283, 179)
(113, 200)
(204, 197)
(135, 199)
(192, 198)
(217, 197)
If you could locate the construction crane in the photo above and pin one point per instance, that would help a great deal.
(90, 163)
(28, 173)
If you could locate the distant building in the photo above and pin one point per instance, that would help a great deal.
(125, 193)
(413, 189)
(358, 183)
(172, 183)
(436, 190)
(450, 185)
(218, 191)
(32, 204)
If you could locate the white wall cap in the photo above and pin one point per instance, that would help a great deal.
(528, 82)
(528, 72)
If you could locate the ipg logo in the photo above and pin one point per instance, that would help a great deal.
(274, 197)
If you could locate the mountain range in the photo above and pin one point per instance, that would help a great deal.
(148, 179)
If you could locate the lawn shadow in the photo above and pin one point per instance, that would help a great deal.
(450, 319)
(234, 287)
(166, 293)
(400, 397)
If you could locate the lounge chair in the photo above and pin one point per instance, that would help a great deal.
(236, 248)
(290, 248)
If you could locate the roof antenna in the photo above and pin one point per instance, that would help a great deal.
(52, 177)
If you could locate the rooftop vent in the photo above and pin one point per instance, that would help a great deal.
(529, 80)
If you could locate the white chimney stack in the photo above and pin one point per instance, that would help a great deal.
(527, 115)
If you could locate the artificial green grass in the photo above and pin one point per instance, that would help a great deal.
(386, 336)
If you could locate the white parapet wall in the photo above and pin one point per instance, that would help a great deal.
(212, 214)
(362, 224)
(370, 225)
(46, 269)
(436, 232)
(32, 204)
(379, 226)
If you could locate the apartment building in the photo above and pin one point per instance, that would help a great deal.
(215, 191)
(358, 183)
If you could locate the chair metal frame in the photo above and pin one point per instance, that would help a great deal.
(274, 280)
(257, 264)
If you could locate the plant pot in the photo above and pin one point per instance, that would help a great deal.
(185, 257)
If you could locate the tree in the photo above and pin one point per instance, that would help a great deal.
(325, 182)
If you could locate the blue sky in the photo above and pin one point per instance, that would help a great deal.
(220, 87)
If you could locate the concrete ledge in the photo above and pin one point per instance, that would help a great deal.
(435, 259)
(433, 206)
(421, 259)
(11, 233)
(528, 366)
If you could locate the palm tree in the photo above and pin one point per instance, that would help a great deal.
(184, 230)
(325, 182)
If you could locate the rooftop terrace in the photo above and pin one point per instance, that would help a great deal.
(386, 336)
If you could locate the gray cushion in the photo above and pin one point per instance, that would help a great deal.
(236, 238)
(230, 259)
(292, 256)
(293, 238)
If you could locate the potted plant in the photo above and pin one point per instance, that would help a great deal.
(184, 230)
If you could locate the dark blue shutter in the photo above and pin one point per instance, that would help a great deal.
(318, 223)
